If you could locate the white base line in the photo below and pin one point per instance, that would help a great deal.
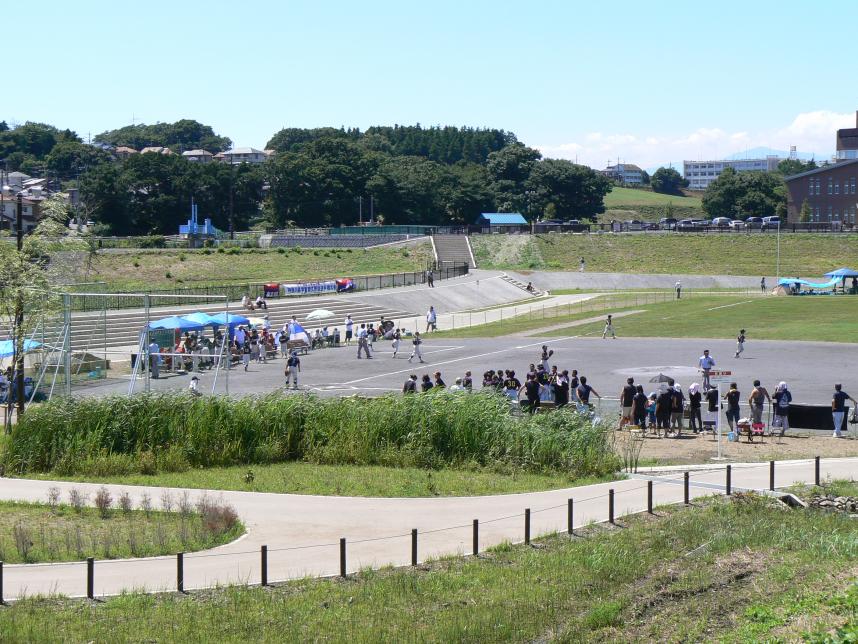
(726, 306)
(451, 361)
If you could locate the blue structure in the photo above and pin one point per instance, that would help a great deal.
(503, 221)
(194, 228)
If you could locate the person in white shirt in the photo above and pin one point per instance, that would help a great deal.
(261, 303)
(678, 288)
(397, 338)
(431, 319)
(706, 362)
(363, 344)
(240, 336)
(349, 328)
(417, 353)
(458, 386)
(154, 358)
(194, 387)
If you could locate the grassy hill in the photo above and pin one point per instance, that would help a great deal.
(704, 254)
(636, 203)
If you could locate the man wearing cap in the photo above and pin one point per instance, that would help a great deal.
(838, 408)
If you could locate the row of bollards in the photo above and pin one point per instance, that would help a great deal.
(570, 528)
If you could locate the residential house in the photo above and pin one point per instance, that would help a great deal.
(627, 174)
(123, 152)
(9, 211)
(242, 155)
(156, 149)
(198, 156)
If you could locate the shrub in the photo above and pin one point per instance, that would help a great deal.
(136, 264)
(125, 503)
(103, 501)
(207, 251)
(166, 431)
(23, 540)
(217, 517)
(182, 257)
(220, 249)
(168, 275)
(281, 251)
(77, 499)
(53, 496)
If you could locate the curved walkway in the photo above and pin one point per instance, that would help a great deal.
(302, 532)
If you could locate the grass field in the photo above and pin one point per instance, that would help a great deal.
(807, 255)
(160, 269)
(623, 198)
(817, 318)
(32, 533)
(741, 570)
(351, 480)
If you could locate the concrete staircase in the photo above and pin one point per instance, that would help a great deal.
(522, 285)
(121, 328)
(453, 249)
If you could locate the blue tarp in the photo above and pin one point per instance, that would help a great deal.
(789, 282)
(202, 318)
(234, 320)
(7, 348)
(843, 272)
(175, 322)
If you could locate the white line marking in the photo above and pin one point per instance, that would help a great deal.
(726, 306)
(479, 355)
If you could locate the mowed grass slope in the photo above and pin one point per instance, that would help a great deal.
(621, 197)
(165, 269)
(815, 318)
(742, 570)
(805, 255)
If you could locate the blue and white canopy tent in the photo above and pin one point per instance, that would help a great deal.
(176, 323)
(7, 347)
(297, 333)
(843, 273)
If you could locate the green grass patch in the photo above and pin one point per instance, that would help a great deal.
(620, 197)
(808, 255)
(148, 269)
(352, 480)
(638, 583)
(174, 432)
(32, 533)
(764, 318)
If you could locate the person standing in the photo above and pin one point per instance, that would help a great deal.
(194, 387)
(838, 409)
(609, 328)
(676, 409)
(245, 354)
(468, 381)
(581, 265)
(154, 359)
(783, 398)
(763, 285)
(712, 404)
(417, 351)
(511, 385)
(426, 384)
(695, 398)
(531, 390)
(349, 328)
(430, 278)
(678, 287)
(639, 405)
(561, 390)
(439, 381)
(663, 408)
(706, 362)
(740, 342)
(410, 386)
(431, 319)
(627, 398)
(732, 397)
(363, 343)
(584, 390)
(756, 401)
(293, 368)
(545, 356)
(397, 338)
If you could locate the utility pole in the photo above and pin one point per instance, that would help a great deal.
(360, 209)
(231, 190)
(19, 317)
(371, 210)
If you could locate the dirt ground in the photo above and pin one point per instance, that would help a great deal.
(691, 448)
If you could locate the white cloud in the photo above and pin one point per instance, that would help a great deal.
(810, 132)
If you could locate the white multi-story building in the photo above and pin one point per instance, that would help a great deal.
(626, 173)
(700, 174)
(241, 155)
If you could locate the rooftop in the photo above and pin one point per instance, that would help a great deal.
(825, 168)
(504, 218)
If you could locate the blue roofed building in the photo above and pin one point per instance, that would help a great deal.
(503, 222)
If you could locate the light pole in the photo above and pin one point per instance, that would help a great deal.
(779, 251)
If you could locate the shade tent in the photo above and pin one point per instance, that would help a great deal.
(789, 282)
(297, 333)
(7, 347)
(842, 273)
(234, 320)
(176, 323)
(202, 318)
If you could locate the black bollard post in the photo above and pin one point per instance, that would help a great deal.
(570, 515)
(649, 497)
(1, 584)
(263, 555)
(476, 548)
(343, 557)
(685, 485)
(729, 485)
(180, 572)
(816, 471)
(771, 475)
(611, 505)
(90, 578)
(527, 525)
(414, 547)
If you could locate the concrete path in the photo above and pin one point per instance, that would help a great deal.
(302, 532)
(614, 281)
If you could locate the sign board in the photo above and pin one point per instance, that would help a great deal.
(310, 287)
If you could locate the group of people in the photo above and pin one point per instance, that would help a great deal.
(254, 305)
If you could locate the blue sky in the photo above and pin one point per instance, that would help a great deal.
(648, 82)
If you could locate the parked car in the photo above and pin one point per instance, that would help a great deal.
(771, 222)
(667, 223)
(721, 222)
(686, 225)
(634, 224)
(737, 224)
(754, 222)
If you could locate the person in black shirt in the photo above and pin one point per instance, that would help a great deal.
(511, 385)
(584, 390)
(561, 389)
(627, 396)
(695, 398)
(639, 404)
(663, 407)
(542, 379)
(438, 380)
(426, 385)
(410, 385)
(531, 389)
(838, 409)
(732, 397)
(573, 384)
(468, 381)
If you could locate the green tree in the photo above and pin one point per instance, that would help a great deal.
(667, 181)
(789, 167)
(508, 170)
(575, 191)
(185, 134)
(804, 213)
(735, 194)
(68, 159)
